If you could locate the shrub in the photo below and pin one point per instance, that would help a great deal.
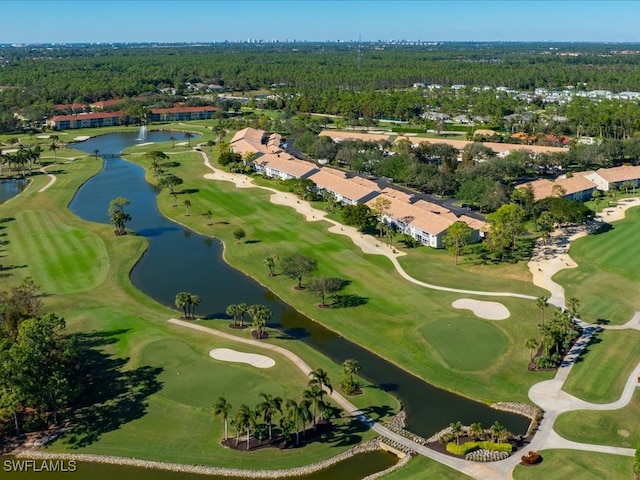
(531, 459)
(462, 449)
(486, 456)
(468, 447)
(496, 447)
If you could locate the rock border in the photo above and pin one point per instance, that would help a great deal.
(369, 446)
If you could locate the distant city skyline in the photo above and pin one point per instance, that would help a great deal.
(112, 21)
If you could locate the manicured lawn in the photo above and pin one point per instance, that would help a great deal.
(467, 344)
(564, 464)
(608, 275)
(73, 259)
(437, 267)
(140, 406)
(393, 317)
(601, 373)
(618, 428)
(420, 468)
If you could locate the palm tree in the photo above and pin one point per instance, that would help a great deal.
(188, 136)
(96, 152)
(351, 367)
(293, 415)
(243, 421)
(54, 146)
(268, 408)
(181, 301)
(573, 304)
(270, 262)
(298, 413)
(476, 430)
(531, 344)
(320, 377)
(456, 430)
(232, 311)
(498, 432)
(243, 308)
(222, 408)
(187, 205)
(260, 315)
(173, 141)
(194, 301)
(542, 303)
(314, 397)
(209, 215)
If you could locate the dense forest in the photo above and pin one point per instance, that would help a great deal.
(370, 80)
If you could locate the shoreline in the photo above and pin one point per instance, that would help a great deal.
(369, 446)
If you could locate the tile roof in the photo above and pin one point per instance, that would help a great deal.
(286, 164)
(620, 174)
(496, 147)
(86, 116)
(544, 188)
(367, 137)
(328, 179)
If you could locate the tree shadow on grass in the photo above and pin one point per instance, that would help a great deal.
(377, 412)
(112, 395)
(348, 300)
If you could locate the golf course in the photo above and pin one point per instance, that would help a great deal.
(156, 381)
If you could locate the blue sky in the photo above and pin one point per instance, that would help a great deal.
(51, 21)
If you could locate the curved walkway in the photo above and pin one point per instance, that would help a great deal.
(351, 409)
(547, 394)
(52, 179)
(366, 243)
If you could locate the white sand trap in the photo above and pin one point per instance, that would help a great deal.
(182, 143)
(143, 144)
(253, 359)
(81, 138)
(486, 310)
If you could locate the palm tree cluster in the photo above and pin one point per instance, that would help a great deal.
(496, 432)
(188, 303)
(23, 158)
(259, 314)
(556, 335)
(294, 414)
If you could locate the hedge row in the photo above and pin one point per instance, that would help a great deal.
(472, 446)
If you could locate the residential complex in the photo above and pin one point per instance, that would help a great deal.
(424, 221)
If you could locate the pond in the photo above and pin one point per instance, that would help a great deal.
(181, 260)
(12, 187)
(356, 467)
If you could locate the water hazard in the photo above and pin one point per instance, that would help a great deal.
(181, 260)
(11, 188)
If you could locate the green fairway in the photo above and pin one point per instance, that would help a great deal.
(602, 371)
(73, 260)
(618, 428)
(388, 307)
(608, 275)
(137, 405)
(466, 344)
(437, 267)
(564, 464)
(420, 468)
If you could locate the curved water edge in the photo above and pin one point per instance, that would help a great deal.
(11, 187)
(218, 284)
(364, 461)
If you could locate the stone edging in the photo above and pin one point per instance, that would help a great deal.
(524, 409)
(368, 446)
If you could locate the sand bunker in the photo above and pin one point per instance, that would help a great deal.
(486, 310)
(228, 355)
